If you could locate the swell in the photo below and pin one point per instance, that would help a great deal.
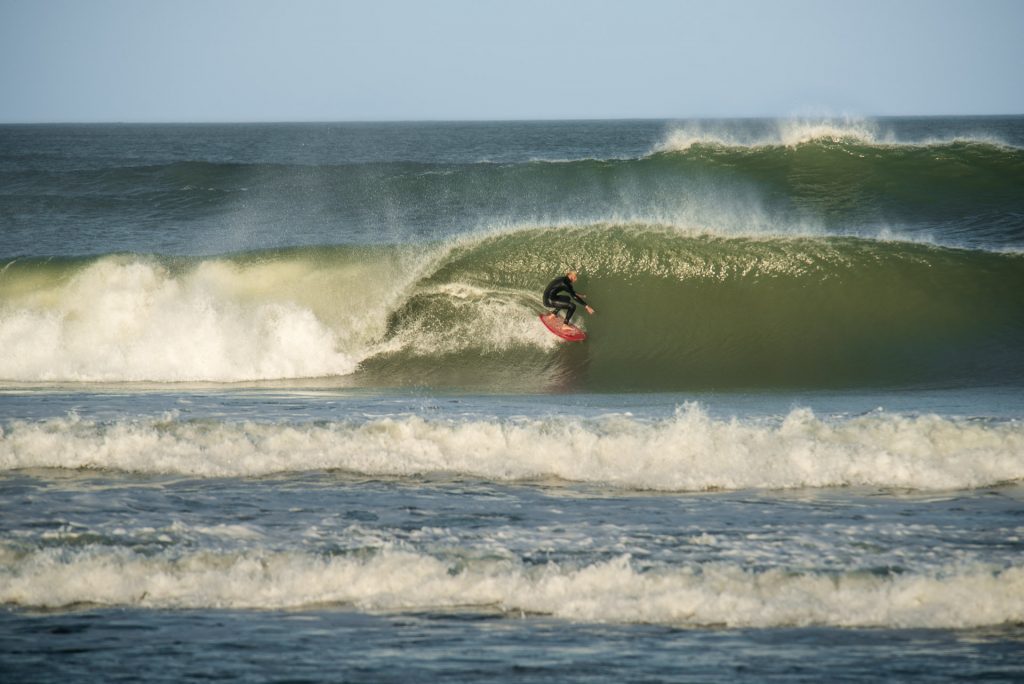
(675, 310)
(958, 191)
(961, 189)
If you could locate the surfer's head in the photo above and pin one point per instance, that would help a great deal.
(572, 276)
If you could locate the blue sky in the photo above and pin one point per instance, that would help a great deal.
(301, 60)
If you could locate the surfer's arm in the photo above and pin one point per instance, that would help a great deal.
(574, 294)
(579, 297)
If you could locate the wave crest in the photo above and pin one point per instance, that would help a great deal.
(690, 451)
(792, 133)
(613, 591)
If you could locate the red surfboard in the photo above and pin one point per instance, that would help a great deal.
(567, 331)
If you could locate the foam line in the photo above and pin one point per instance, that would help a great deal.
(613, 591)
(690, 451)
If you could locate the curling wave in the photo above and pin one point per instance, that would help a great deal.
(677, 310)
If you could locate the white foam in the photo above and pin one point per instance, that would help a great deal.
(129, 319)
(488, 321)
(800, 131)
(687, 452)
(794, 132)
(785, 133)
(615, 591)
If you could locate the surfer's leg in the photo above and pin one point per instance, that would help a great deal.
(563, 303)
(570, 309)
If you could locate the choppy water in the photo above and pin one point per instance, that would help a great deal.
(275, 403)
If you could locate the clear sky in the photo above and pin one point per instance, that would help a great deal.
(301, 60)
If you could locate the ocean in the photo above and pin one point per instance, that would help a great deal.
(275, 404)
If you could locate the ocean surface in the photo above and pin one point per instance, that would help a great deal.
(275, 404)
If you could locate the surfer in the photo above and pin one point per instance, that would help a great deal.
(559, 294)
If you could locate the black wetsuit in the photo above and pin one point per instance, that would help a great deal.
(554, 298)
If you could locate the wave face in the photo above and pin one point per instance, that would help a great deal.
(962, 190)
(687, 452)
(676, 310)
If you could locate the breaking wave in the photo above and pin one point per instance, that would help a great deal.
(688, 452)
(614, 591)
(677, 309)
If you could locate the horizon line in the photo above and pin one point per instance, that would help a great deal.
(201, 122)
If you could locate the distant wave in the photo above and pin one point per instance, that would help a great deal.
(713, 312)
(796, 132)
(827, 178)
(687, 452)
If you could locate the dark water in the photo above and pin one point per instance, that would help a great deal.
(275, 405)
(332, 646)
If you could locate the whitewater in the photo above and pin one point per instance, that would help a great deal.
(688, 452)
(281, 388)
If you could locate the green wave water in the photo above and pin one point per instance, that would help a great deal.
(675, 311)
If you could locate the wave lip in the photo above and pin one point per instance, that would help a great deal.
(791, 133)
(614, 591)
(688, 452)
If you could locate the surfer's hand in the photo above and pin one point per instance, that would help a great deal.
(590, 309)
